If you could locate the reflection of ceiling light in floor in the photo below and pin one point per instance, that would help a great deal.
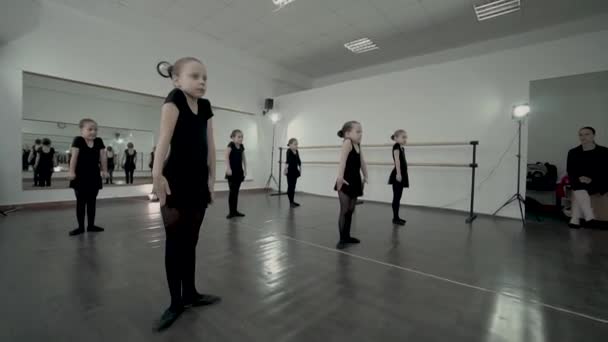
(361, 45)
(496, 8)
(281, 3)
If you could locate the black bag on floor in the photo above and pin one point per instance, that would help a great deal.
(541, 177)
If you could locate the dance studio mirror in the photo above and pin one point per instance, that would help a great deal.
(560, 108)
(52, 109)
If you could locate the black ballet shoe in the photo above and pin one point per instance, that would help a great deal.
(201, 299)
(239, 214)
(231, 215)
(292, 205)
(296, 204)
(76, 231)
(94, 229)
(341, 244)
(574, 226)
(168, 318)
(399, 221)
(352, 240)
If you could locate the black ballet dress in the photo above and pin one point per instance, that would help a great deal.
(352, 175)
(88, 172)
(405, 181)
(186, 169)
(236, 163)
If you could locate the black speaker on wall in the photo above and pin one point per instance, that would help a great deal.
(268, 105)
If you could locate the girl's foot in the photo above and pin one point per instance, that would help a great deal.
(168, 318)
(76, 231)
(94, 229)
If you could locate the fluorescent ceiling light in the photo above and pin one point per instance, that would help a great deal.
(361, 45)
(496, 8)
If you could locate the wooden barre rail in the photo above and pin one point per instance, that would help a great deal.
(473, 165)
(322, 147)
(391, 164)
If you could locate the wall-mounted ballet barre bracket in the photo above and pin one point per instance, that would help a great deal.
(473, 165)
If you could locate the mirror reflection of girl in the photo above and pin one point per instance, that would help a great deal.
(129, 161)
(587, 168)
(184, 180)
(32, 159)
(46, 160)
(293, 170)
(399, 178)
(111, 164)
(236, 171)
(88, 153)
(349, 183)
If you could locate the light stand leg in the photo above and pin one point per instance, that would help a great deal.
(517, 196)
(271, 177)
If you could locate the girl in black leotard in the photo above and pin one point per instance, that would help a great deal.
(46, 160)
(88, 153)
(293, 170)
(111, 164)
(349, 183)
(236, 171)
(185, 181)
(399, 178)
(129, 160)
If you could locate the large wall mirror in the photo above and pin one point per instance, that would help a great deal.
(52, 109)
(560, 108)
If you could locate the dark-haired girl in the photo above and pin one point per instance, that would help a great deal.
(111, 156)
(88, 152)
(293, 170)
(349, 183)
(129, 162)
(399, 178)
(46, 160)
(236, 171)
(184, 183)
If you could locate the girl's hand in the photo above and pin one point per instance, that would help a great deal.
(285, 171)
(399, 178)
(72, 176)
(339, 182)
(229, 172)
(161, 189)
(211, 185)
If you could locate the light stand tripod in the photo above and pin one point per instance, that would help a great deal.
(517, 196)
(271, 177)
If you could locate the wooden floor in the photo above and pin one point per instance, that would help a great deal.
(436, 279)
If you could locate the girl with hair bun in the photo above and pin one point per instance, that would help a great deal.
(349, 184)
(399, 178)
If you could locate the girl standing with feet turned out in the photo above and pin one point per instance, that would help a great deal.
(88, 152)
(399, 178)
(184, 180)
(293, 170)
(111, 164)
(236, 171)
(349, 183)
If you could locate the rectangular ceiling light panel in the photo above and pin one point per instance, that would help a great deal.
(496, 8)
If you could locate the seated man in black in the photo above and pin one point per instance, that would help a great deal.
(588, 173)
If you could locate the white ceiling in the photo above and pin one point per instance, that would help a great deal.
(308, 36)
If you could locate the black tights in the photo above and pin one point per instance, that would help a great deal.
(397, 193)
(291, 188)
(233, 197)
(182, 227)
(86, 199)
(110, 179)
(129, 176)
(44, 178)
(347, 208)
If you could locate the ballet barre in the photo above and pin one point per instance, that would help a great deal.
(472, 165)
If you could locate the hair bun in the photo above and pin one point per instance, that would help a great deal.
(341, 134)
(393, 137)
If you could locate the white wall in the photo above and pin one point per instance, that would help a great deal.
(562, 106)
(466, 99)
(74, 46)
